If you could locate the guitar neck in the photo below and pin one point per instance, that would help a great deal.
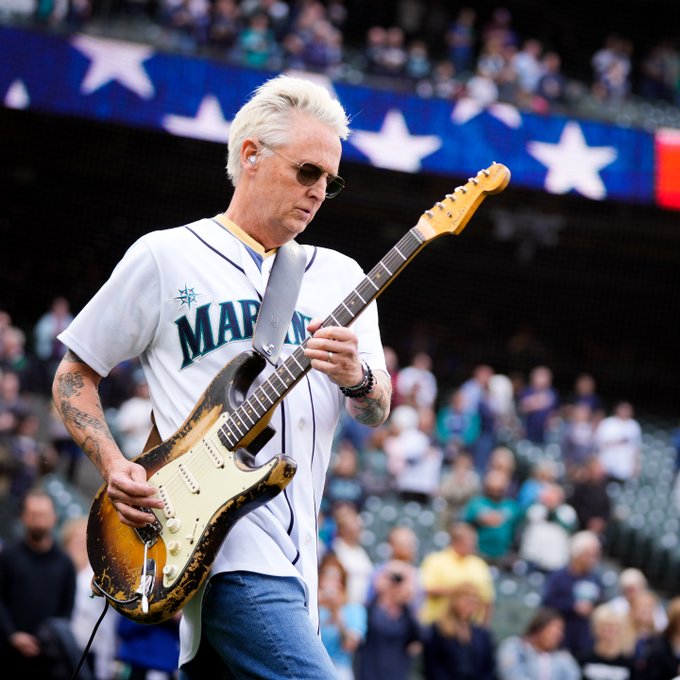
(448, 216)
(291, 371)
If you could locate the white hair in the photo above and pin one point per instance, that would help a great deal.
(267, 114)
(583, 541)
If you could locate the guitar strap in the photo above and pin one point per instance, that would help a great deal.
(279, 301)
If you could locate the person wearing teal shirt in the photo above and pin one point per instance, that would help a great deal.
(495, 516)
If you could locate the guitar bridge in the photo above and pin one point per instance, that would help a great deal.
(149, 534)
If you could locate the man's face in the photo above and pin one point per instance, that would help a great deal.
(39, 517)
(285, 206)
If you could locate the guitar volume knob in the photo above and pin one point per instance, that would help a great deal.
(173, 525)
(174, 547)
(169, 570)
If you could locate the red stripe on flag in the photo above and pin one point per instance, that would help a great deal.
(668, 168)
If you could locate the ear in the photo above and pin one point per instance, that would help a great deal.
(249, 154)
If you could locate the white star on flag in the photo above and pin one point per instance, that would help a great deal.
(208, 123)
(17, 96)
(572, 164)
(394, 147)
(113, 60)
(468, 108)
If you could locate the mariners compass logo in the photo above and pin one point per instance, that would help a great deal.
(186, 296)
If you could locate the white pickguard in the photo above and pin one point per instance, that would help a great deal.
(193, 488)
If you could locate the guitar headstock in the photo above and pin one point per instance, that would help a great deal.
(451, 215)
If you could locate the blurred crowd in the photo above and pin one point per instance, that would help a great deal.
(413, 608)
(484, 58)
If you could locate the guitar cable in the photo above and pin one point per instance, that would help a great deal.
(89, 642)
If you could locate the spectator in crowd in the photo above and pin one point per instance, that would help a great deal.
(537, 653)
(458, 428)
(342, 621)
(443, 570)
(461, 39)
(538, 403)
(392, 633)
(185, 24)
(501, 398)
(417, 384)
(133, 418)
(354, 558)
(590, 498)
(549, 525)
(458, 485)
(611, 66)
(619, 441)
(402, 545)
(576, 590)
(30, 457)
(663, 661)
(659, 72)
(631, 583)
(418, 62)
(503, 460)
(344, 484)
(48, 348)
(496, 518)
(529, 68)
(414, 459)
(585, 392)
(86, 609)
(610, 656)
(256, 45)
(643, 619)
(37, 583)
(225, 25)
(15, 359)
(478, 401)
(577, 440)
(552, 85)
(542, 474)
(455, 647)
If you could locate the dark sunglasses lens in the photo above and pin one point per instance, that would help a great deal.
(335, 186)
(309, 174)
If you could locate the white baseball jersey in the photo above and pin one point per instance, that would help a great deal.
(186, 300)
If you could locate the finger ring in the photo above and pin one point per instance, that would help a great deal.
(330, 357)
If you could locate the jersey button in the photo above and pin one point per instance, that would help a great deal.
(301, 424)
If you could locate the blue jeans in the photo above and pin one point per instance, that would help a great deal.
(257, 626)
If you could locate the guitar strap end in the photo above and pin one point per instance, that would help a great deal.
(279, 301)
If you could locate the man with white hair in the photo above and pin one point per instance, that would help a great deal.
(576, 590)
(186, 301)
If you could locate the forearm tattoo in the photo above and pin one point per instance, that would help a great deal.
(87, 429)
(373, 409)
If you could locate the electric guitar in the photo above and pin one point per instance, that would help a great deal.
(206, 474)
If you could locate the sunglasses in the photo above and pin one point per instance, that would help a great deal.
(309, 174)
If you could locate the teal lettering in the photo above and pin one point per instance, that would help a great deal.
(249, 309)
(299, 327)
(228, 324)
(197, 342)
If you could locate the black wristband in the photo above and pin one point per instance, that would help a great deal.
(362, 388)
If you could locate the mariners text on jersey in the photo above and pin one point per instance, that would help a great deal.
(214, 325)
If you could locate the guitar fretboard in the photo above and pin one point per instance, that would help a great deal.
(287, 375)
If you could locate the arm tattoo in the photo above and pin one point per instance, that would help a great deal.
(87, 429)
(70, 384)
(373, 410)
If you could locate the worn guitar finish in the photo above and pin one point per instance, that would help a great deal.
(205, 473)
